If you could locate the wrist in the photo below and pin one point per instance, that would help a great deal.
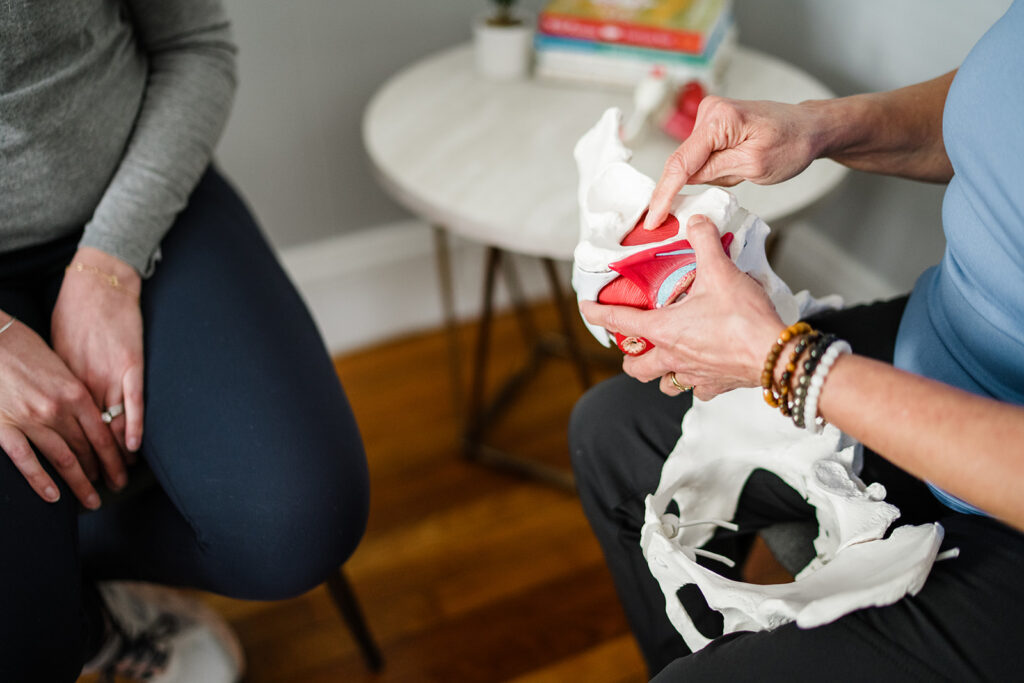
(833, 126)
(96, 263)
(761, 346)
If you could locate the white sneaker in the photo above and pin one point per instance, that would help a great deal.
(160, 635)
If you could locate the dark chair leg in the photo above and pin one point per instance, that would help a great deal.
(345, 600)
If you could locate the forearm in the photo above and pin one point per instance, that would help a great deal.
(971, 446)
(188, 96)
(898, 132)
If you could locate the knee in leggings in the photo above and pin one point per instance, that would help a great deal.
(278, 551)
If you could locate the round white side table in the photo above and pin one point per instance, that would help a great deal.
(493, 161)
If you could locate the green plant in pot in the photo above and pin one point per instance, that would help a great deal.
(503, 15)
(503, 42)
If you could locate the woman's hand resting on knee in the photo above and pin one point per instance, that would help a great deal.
(715, 338)
(97, 330)
(42, 402)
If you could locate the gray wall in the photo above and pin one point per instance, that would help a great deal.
(891, 225)
(308, 69)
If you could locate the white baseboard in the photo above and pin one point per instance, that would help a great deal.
(376, 284)
(381, 283)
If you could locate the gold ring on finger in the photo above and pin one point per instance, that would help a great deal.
(677, 385)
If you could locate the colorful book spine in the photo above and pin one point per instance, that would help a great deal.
(616, 70)
(591, 27)
(544, 41)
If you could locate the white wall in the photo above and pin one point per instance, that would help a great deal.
(308, 68)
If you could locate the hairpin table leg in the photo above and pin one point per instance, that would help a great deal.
(442, 253)
(479, 412)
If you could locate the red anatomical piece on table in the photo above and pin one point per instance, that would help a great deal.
(683, 116)
(652, 278)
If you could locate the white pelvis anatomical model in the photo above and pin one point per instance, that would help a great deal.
(725, 439)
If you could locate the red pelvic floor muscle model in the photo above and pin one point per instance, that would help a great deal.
(654, 277)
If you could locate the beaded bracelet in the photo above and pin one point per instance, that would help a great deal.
(810, 417)
(785, 382)
(768, 375)
(814, 355)
(800, 391)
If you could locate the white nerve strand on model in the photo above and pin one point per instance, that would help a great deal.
(727, 438)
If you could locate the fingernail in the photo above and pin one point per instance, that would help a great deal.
(51, 494)
(133, 443)
(92, 501)
(120, 481)
(695, 219)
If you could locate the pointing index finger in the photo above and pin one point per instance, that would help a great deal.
(688, 158)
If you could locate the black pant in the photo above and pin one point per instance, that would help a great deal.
(967, 623)
(263, 487)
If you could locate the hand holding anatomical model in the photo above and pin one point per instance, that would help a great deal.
(714, 337)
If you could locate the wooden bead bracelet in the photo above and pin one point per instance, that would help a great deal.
(768, 375)
(804, 374)
(785, 383)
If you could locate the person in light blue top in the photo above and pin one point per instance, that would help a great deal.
(963, 324)
(933, 388)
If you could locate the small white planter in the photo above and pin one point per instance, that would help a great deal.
(503, 52)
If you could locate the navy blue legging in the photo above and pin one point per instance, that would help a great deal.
(263, 487)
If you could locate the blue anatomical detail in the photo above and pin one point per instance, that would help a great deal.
(670, 282)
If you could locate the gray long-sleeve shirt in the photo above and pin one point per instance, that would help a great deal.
(109, 112)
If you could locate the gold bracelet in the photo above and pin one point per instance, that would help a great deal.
(110, 278)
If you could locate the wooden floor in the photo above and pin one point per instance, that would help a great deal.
(465, 573)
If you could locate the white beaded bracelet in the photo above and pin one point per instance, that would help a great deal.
(811, 419)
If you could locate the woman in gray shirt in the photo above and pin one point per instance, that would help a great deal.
(143, 317)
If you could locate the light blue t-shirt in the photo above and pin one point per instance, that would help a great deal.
(964, 323)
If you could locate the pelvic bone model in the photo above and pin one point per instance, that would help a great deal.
(725, 439)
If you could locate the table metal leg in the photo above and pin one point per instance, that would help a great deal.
(442, 253)
(475, 414)
(518, 300)
(565, 317)
(480, 413)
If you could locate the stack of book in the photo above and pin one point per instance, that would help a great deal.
(618, 42)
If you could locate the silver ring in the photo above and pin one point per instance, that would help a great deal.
(111, 412)
(677, 385)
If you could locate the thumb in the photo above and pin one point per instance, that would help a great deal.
(707, 244)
